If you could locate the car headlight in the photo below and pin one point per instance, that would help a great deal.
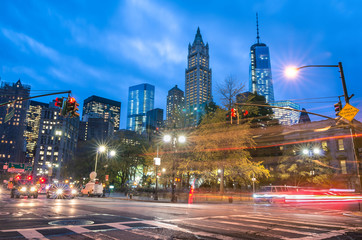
(23, 189)
(32, 189)
(74, 191)
(47, 187)
(59, 191)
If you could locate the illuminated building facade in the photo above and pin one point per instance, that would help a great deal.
(141, 99)
(284, 116)
(56, 142)
(33, 117)
(104, 108)
(260, 74)
(174, 107)
(12, 130)
(197, 81)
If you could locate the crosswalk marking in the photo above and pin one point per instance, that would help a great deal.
(78, 229)
(276, 227)
(32, 234)
(287, 224)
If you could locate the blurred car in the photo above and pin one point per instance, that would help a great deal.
(20, 189)
(293, 194)
(61, 191)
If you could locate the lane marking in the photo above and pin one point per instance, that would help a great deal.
(32, 234)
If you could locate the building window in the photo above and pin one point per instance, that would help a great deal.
(343, 167)
(324, 145)
(340, 145)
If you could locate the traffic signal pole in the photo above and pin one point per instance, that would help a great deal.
(38, 96)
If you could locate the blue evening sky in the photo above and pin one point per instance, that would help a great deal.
(103, 47)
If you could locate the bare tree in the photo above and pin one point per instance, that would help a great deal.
(228, 90)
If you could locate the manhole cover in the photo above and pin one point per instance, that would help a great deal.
(71, 222)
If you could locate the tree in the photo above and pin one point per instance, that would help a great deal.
(219, 145)
(228, 90)
(300, 169)
(259, 116)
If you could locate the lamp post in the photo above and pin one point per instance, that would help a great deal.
(157, 163)
(101, 149)
(292, 72)
(174, 140)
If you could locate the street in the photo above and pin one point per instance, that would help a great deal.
(113, 218)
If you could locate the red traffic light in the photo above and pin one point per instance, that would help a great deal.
(18, 177)
(30, 178)
(71, 100)
(233, 112)
(42, 180)
(59, 102)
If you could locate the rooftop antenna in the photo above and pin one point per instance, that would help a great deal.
(257, 28)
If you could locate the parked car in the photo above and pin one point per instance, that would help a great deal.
(93, 188)
(61, 191)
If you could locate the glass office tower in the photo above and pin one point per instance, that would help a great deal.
(260, 75)
(141, 99)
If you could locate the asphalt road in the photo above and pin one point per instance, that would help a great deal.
(113, 218)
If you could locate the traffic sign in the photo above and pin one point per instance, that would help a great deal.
(348, 112)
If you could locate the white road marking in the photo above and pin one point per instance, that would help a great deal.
(31, 234)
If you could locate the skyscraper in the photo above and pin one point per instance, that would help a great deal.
(33, 117)
(260, 75)
(197, 80)
(175, 106)
(12, 121)
(141, 99)
(102, 108)
(56, 142)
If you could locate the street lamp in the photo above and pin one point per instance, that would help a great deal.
(100, 149)
(173, 139)
(293, 71)
(157, 163)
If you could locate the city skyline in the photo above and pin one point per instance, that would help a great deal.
(51, 46)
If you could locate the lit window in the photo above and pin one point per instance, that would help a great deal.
(340, 145)
(343, 166)
(324, 146)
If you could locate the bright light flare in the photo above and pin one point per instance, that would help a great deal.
(291, 72)
(305, 151)
(112, 153)
(181, 139)
(316, 151)
(59, 191)
(102, 148)
(167, 138)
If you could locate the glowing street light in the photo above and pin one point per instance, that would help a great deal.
(316, 151)
(305, 151)
(112, 153)
(291, 72)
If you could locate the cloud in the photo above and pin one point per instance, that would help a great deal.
(27, 43)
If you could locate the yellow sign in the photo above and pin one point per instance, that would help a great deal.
(348, 112)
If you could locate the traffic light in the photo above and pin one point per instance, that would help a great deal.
(244, 113)
(59, 102)
(42, 180)
(30, 178)
(338, 107)
(18, 177)
(234, 113)
(71, 108)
